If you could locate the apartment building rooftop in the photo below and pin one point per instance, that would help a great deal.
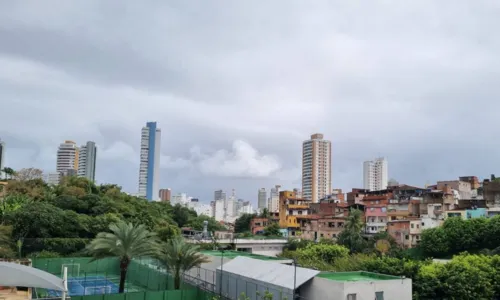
(233, 254)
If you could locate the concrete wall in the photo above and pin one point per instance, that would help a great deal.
(263, 249)
(321, 288)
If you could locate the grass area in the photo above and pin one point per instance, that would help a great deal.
(234, 254)
(355, 276)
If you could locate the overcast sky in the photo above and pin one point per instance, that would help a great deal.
(236, 86)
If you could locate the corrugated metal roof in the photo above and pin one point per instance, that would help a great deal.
(268, 272)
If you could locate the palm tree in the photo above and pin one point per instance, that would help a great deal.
(265, 213)
(351, 236)
(126, 241)
(178, 257)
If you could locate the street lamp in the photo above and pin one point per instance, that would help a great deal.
(294, 277)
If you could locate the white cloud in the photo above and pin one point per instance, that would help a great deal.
(242, 161)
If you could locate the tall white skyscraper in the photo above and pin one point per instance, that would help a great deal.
(68, 155)
(316, 168)
(274, 199)
(375, 174)
(149, 169)
(87, 161)
(262, 198)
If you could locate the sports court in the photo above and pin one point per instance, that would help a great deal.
(87, 277)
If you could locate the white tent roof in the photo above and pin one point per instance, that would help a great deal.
(270, 272)
(12, 274)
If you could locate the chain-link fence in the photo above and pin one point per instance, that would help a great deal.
(146, 277)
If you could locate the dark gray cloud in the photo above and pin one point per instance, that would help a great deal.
(237, 86)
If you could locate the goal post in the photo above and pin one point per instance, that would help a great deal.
(98, 290)
(73, 270)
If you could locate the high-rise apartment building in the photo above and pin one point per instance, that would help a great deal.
(262, 198)
(316, 168)
(2, 157)
(68, 156)
(274, 199)
(149, 169)
(219, 195)
(165, 194)
(375, 174)
(87, 161)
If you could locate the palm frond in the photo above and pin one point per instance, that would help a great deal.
(124, 240)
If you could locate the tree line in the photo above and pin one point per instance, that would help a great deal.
(62, 219)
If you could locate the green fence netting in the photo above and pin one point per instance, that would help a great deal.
(78, 266)
(145, 278)
(191, 294)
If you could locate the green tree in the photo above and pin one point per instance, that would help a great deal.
(272, 229)
(9, 172)
(434, 242)
(182, 215)
(264, 213)
(12, 203)
(242, 224)
(125, 241)
(197, 223)
(43, 220)
(6, 242)
(168, 232)
(351, 236)
(178, 256)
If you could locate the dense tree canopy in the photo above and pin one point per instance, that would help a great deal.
(458, 235)
(63, 218)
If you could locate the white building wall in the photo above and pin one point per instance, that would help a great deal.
(67, 157)
(87, 161)
(246, 209)
(156, 170)
(52, 178)
(261, 201)
(375, 174)
(219, 210)
(180, 198)
(143, 166)
(321, 288)
(201, 208)
(274, 199)
(316, 168)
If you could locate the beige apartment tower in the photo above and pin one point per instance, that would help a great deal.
(316, 168)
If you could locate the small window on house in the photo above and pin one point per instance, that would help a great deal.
(407, 237)
(423, 224)
(351, 296)
(372, 208)
(412, 225)
(418, 226)
(379, 295)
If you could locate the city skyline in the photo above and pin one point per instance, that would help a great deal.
(236, 99)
